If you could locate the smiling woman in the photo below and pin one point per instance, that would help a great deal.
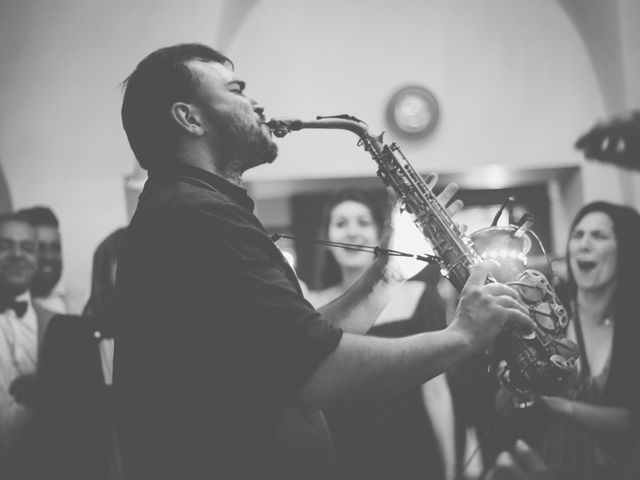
(413, 435)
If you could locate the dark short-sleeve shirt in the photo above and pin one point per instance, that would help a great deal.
(214, 337)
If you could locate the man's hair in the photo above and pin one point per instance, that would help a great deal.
(14, 217)
(39, 216)
(160, 80)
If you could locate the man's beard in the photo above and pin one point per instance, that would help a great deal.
(44, 282)
(243, 145)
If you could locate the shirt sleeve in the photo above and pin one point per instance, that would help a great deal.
(259, 299)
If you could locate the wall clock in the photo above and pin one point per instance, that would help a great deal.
(413, 111)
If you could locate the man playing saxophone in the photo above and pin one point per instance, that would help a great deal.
(222, 368)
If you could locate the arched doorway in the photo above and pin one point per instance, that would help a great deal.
(5, 196)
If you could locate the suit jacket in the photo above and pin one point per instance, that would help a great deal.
(73, 405)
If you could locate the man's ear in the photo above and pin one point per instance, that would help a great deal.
(187, 117)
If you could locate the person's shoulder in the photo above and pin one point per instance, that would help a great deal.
(187, 194)
(182, 205)
(183, 192)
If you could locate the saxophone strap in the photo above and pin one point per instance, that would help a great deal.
(376, 251)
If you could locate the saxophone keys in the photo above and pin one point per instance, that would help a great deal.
(561, 315)
(544, 316)
(530, 289)
(564, 364)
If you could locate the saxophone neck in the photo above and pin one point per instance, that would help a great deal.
(282, 126)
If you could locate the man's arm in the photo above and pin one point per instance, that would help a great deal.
(373, 367)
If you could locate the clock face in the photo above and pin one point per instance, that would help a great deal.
(413, 111)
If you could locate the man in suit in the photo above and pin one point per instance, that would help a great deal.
(22, 327)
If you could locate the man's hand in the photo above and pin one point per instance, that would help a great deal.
(404, 267)
(446, 194)
(524, 464)
(23, 390)
(485, 308)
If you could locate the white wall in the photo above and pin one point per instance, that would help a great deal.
(514, 81)
(514, 78)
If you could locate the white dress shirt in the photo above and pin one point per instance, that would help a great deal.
(56, 301)
(18, 356)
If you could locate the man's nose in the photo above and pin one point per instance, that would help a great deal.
(259, 109)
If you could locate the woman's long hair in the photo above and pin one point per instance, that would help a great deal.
(331, 274)
(626, 298)
(101, 304)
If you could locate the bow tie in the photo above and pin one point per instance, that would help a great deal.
(20, 307)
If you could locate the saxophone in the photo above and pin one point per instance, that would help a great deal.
(540, 361)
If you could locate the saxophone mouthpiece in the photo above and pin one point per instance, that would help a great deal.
(281, 126)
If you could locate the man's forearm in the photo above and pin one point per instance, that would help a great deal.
(370, 367)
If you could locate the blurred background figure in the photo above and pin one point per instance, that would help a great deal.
(413, 435)
(591, 430)
(22, 326)
(74, 404)
(614, 140)
(46, 288)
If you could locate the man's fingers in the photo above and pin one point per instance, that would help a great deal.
(521, 319)
(480, 272)
(431, 179)
(496, 288)
(454, 207)
(508, 302)
(447, 194)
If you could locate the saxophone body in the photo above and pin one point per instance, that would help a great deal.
(540, 361)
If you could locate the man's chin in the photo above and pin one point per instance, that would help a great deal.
(272, 152)
(264, 154)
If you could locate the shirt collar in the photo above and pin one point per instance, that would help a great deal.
(24, 297)
(235, 192)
